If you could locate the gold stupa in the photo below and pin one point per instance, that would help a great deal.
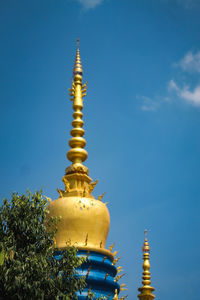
(146, 290)
(84, 220)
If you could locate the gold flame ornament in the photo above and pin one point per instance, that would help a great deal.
(122, 298)
(123, 287)
(146, 290)
(116, 295)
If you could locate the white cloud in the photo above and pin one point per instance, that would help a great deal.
(87, 4)
(148, 104)
(190, 62)
(172, 86)
(191, 96)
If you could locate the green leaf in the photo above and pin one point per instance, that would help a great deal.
(2, 257)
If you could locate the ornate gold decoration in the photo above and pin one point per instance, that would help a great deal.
(146, 290)
(100, 197)
(119, 277)
(48, 199)
(116, 295)
(92, 186)
(60, 192)
(111, 247)
(81, 214)
(77, 168)
(123, 287)
(122, 298)
(119, 269)
(88, 271)
(115, 261)
(67, 184)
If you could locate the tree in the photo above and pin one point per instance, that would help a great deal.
(28, 267)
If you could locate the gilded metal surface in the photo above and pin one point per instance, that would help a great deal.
(77, 153)
(146, 290)
(99, 250)
(84, 220)
(116, 295)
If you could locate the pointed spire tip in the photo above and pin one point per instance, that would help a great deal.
(77, 65)
(145, 247)
(145, 234)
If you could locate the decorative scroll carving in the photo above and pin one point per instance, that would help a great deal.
(61, 192)
(77, 168)
(48, 199)
(66, 183)
(101, 196)
(92, 186)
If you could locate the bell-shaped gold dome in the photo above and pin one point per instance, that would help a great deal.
(84, 222)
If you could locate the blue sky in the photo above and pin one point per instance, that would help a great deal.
(142, 120)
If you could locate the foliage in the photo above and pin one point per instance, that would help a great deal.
(28, 267)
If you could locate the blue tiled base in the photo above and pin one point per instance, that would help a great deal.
(100, 275)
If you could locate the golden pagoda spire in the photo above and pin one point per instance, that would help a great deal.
(77, 154)
(84, 220)
(76, 179)
(146, 290)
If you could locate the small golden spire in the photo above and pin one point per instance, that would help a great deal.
(146, 290)
(77, 154)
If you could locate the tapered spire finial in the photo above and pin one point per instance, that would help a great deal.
(77, 153)
(77, 65)
(145, 247)
(146, 290)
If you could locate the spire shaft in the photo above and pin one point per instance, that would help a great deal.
(146, 290)
(77, 153)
